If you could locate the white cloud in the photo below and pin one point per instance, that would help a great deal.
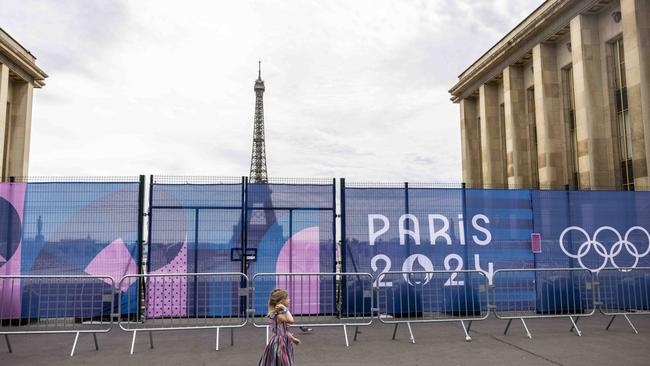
(355, 89)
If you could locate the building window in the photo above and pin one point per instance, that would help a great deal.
(622, 115)
(532, 138)
(570, 118)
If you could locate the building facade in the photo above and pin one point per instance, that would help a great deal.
(563, 100)
(19, 75)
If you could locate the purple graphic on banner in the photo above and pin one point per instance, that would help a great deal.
(301, 254)
(12, 196)
(116, 261)
(167, 296)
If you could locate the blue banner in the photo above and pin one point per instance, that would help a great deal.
(425, 229)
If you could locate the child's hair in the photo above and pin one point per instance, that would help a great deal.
(276, 297)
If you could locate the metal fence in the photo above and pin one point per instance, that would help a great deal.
(186, 301)
(543, 293)
(432, 296)
(317, 299)
(55, 305)
(624, 291)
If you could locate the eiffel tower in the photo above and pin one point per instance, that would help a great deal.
(260, 215)
(258, 158)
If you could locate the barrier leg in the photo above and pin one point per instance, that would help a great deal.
(267, 335)
(395, 330)
(577, 320)
(216, 346)
(526, 328)
(356, 331)
(575, 325)
(505, 332)
(135, 332)
(232, 337)
(408, 324)
(95, 339)
(630, 322)
(151, 339)
(74, 345)
(469, 326)
(610, 322)
(8, 343)
(345, 331)
(467, 337)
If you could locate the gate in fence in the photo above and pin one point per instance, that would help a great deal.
(214, 225)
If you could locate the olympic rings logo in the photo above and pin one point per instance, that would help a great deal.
(600, 249)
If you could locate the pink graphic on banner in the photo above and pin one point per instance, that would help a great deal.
(14, 194)
(10, 288)
(116, 261)
(301, 253)
(167, 296)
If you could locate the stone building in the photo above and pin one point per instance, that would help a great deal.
(561, 100)
(19, 75)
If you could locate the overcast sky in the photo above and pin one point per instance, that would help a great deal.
(354, 89)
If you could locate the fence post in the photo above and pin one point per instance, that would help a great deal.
(243, 300)
(334, 221)
(342, 221)
(464, 208)
(141, 215)
(406, 222)
(149, 223)
(343, 245)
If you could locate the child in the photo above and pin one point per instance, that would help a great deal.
(279, 351)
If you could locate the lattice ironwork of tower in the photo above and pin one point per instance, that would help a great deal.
(258, 158)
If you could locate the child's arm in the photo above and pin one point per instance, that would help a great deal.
(283, 314)
(293, 339)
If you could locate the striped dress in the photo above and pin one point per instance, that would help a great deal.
(279, 351)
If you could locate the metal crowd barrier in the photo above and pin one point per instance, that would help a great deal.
(432, 296)
(317, 299)
(623, 291)
(185, 301)
(41, 304)
(543, 293)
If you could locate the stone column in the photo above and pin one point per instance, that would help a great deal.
(514, 97)
(493, 155)
(471, 143)
(635, 18)
(4, 92)
(596, 159)
(22, 125)
(551, 148)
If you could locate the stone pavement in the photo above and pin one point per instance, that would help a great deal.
(436, 344)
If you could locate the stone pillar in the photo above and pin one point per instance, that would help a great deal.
(551, 148)
(21, 129)
(471, 143)
(635, 18)
(596, 160)
(491, 145)
(516, 123)
(4, 92)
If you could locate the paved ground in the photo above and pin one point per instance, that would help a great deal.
(437, 344)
